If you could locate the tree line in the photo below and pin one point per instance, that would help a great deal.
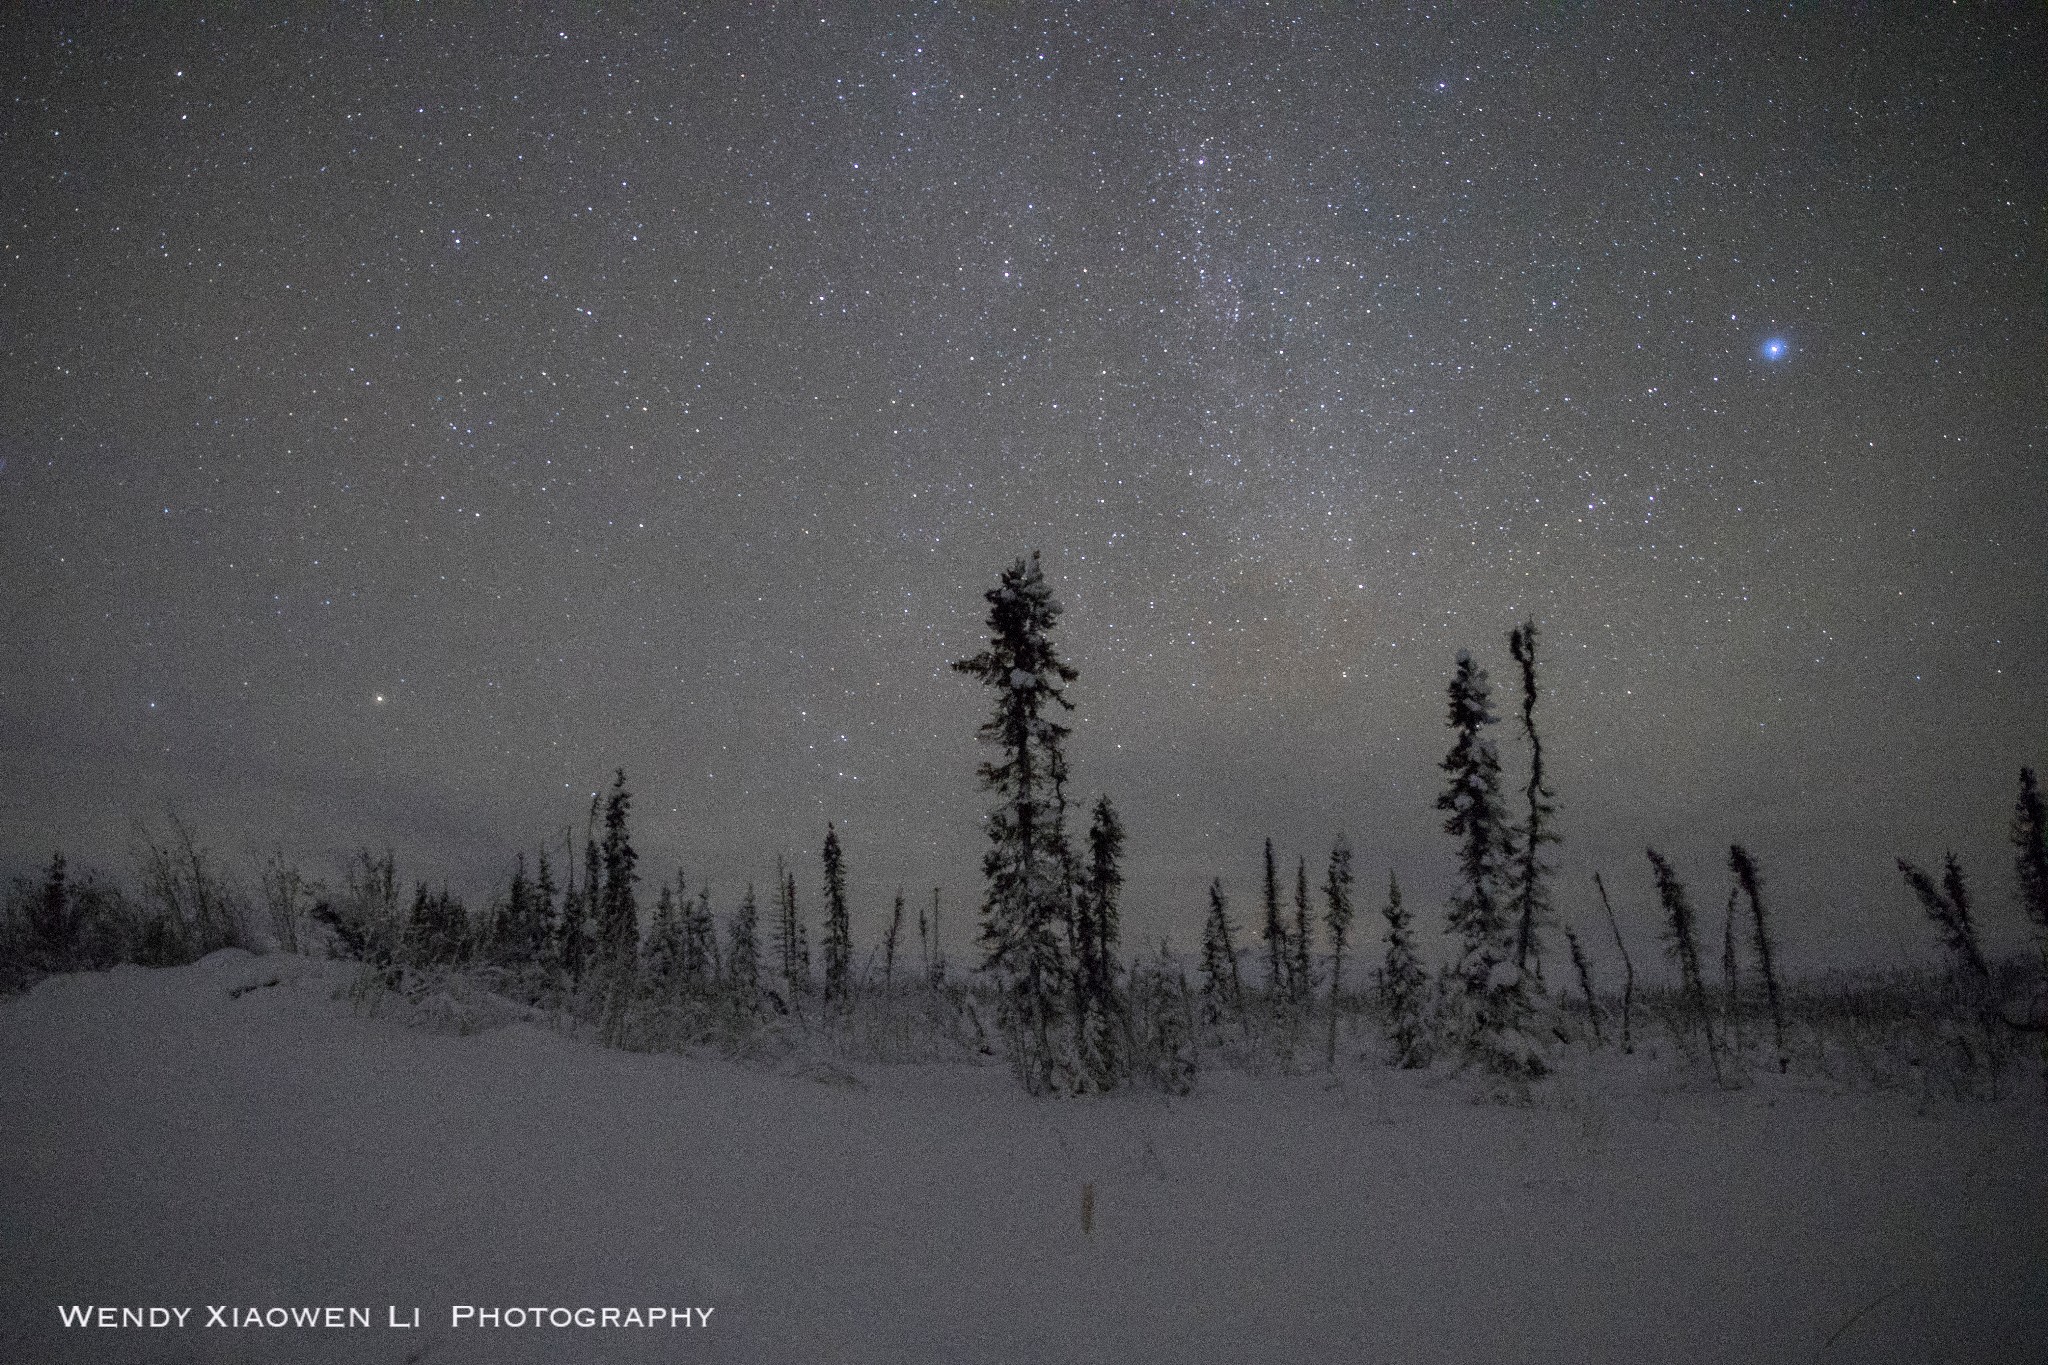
(1053, 987)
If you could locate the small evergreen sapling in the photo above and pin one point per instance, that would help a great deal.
(1628, 968)
(1593, 1012)
(889, 943)
(1403, 984)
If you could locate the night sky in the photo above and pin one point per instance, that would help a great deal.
(406, 418)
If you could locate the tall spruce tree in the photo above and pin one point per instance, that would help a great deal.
(1029, 899)
(1337, 913)
(1403, 984)
(1300, 973)
(1278, 960)
(838, 924)
(1531, 887)
(1493, 1009)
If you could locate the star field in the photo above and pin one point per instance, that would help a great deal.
(410, 417)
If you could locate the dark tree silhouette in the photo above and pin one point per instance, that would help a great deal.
(1300, 973)
(1402, 984)
(1628, 967)
(1949, 908)
(1751, 883)
(618, 914)
(743, 956)
(1682, 942)
(1531, 872)
(1099, 1004)
(1494, 1009)
(1027, 907)
(838, 924)
(1585, 973)
(1274, 932)
(1222, 991)
(2030, 851)
(1337, 912)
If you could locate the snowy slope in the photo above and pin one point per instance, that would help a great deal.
(165, 1140)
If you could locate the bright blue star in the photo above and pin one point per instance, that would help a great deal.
(1776, 348)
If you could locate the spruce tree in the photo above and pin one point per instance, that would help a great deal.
(743, 956)
(1337, 913)
(1951, 914)
(1274, 932)
(544, 911)
(618, 913)
(519, 938)
(1531, 872)
(700, 939)
(1300, 972)
(838, 925)
(1494, 1003)
(793, 960)
(1585, 974)
(1751, 881)
(1681, 941)
(1098, 1004)
(1403, 984)
(1222, 991)
(1028, 902)
(663, 972)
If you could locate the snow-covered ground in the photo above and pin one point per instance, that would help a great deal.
(173, 1138)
